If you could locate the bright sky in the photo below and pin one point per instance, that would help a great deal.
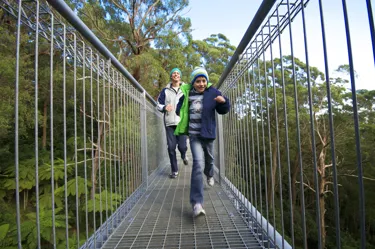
(232, 19)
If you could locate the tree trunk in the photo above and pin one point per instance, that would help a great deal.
(294, 180)
(137, 73)
(322, 184)
(96, 161)
(24, 199)
(44, 135)
(272, 181)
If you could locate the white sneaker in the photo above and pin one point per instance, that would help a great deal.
(210, 181)
(198, 210)
(173, 175)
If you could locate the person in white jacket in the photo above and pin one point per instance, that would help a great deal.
(167, 102)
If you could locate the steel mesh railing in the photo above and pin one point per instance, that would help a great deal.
(293, 141)
(91, 159)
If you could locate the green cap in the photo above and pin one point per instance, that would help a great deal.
(175, 70)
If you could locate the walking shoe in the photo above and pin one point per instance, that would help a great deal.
(173, 175)
(210, 181)
(185, 160)
(198, 210)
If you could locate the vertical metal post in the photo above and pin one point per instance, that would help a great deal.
(52, 157)
(16, 127)
(221, 147)
(36, 115)
(144, 141)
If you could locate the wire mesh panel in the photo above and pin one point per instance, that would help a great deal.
(296, 140)
(71, 150)
(156, 140)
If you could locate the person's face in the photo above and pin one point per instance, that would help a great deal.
(200, 84)
(175, 76)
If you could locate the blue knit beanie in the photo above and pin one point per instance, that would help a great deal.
(175, 70)
(198, 72)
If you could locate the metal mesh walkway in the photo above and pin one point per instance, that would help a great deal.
(162, 218)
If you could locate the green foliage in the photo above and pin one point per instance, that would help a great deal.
(26, 176)
(29, 231)
(103, 202)
(3, 231)
(58, 170)
(72, 187)
(141, 35)
(215, 53)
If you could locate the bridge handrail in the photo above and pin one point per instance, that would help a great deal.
(259, 17)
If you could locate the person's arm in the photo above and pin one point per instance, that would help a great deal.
(222, 103)
(161, 101)
(179, 105)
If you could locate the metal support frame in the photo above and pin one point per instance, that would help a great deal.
(144, 141)
(221, 147)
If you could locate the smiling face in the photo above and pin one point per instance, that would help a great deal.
(200, 84)
(175, 77)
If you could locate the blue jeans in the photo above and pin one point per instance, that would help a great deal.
(172, 141)
(203, 159)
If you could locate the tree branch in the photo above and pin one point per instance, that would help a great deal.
(147, 13)
(317, 130)
(162, 24)
(366, 178)
(327, 191)
(121, 7)
(308, 186)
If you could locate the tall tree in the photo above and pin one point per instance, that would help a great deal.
(215, 52)
(131, 29)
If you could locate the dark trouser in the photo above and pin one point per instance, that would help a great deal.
(203, 160)
(172, 141)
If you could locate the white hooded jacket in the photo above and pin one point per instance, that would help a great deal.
(168, 95)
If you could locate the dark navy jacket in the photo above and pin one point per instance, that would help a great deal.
(208, 128)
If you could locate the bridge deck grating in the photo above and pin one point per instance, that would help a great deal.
(162, 218)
